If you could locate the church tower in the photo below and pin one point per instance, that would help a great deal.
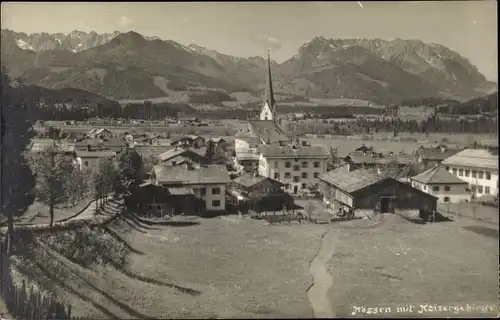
(268, 111)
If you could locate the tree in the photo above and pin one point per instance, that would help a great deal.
(53, 170)
(16, 176)
(78, 185)
(209, 153)
(129, 166)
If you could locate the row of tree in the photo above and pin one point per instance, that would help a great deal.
(59, 180)
(433, 124)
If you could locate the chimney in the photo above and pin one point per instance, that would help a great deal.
(255, 174)
(89, 148)
(304, 143)
(349, 167)
(379, 171)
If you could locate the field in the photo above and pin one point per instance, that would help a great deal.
(385, 142)
(237, 267)
(405, 263)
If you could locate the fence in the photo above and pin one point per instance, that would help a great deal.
(26, 303)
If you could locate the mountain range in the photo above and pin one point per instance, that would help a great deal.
(129, 66)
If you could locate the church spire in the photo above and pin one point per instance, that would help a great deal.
(269, 86)
(268, 111)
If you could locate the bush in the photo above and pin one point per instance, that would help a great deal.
(88, 246)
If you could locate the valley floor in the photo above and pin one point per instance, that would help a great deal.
(238, 267)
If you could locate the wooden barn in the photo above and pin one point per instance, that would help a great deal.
(368, 190)
(251, 191)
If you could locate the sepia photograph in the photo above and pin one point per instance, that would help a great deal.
(258, 159)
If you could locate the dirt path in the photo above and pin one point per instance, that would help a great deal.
(322, 280)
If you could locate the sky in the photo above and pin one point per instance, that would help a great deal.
(249, 28)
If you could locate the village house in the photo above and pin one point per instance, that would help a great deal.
(90, 144)
(430, 157)
(189, 141)
(370, 159)
(187, 120)
(91, 160)
(442, 184)
(100, 133)
(477, 167)
(296, 166)
(246, 151)
(207, 183)
(369, 191)
(251, 191)
(156, 200)
(177, 155)
(114, 144)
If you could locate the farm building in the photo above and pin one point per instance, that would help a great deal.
(189, 141)
(429, 157)
(362, 159)
(155, 200)
(368, 190)
(187, 120)
(207, 182)
(251, 191)
(178, 155)
(442, 184)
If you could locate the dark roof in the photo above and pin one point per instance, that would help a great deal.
(437, 175)
(95, 154)
(351, 181)
(438, 153)
(267, 131)
(249, 180)
(287, 151)
(113, 142)
(174, 152)
(183, 175)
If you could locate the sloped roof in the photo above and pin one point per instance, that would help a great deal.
(478, 158)
(351, 181)
(182, 175)
(276, 151)
(174, 152)
(95, 154)
(249, 180)
(267, 130)
(437, 175)
(436, 153)
(359, 157)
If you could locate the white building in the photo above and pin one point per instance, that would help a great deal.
(208, 182)
(477, 167)
(296, 166)
(92, 160)
(442, 185)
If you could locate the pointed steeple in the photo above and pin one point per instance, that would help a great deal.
(268, 111)
(269, 85)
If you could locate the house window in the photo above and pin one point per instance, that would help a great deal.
(158, 207)
(460, 172)
(296, 179)
(467, 173)
(303, 186)
(86, 163)
(316, 174)
(296, 168)
(275, 164)
(480, 175)
(488, 175)
(474, 172)
(479, 189)
(288, 164)
(215, 190)
(288, 175)
(216, 203)
(304, 164)
(446, 199)
(435, 188)
(446, 188)
(455, 171)
(316, 164)
(287, 186)
(425, 187)
(203, 191)
(276, 176)
(304, 175)
(447, 168)
(473, 188)
(486, 190)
